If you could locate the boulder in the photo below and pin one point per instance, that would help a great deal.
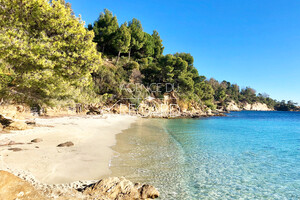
(121, 189)
(4, 121)
(66, 144)
(12, 187)
(17, 125)
(37, 140)
(148, 192)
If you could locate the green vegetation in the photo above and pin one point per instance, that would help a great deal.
(48, 57)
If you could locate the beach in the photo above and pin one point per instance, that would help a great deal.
(88, 159)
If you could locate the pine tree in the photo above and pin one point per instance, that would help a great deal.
(137, 36)
(46, 52)
(105, 28)
(121, 40)
(158, 46)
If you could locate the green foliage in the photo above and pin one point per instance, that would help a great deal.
(48, 56)
(137, 35)
(121, 40)
(47, 51)
(158, 46)
(148, 48)
(105, 28)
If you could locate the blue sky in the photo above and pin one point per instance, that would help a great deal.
(252, 43)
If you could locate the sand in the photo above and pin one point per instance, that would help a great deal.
(88, 159)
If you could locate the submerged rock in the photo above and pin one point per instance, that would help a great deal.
(13, 187)
(66, 144)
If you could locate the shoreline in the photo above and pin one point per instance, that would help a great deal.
(88, 159)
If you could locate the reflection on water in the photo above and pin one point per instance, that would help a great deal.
(248, 155)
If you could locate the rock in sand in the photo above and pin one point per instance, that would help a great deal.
(66, 144)
(36, 140)
(15, 149)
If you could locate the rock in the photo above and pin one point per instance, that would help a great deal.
(66, 144)
(121, 189)
(12, 187)
(30, 122)
(37, 140)
(17, 125)
(232, 106)
(4, 121)
(1, 127)
(15, 149)
(148, 192)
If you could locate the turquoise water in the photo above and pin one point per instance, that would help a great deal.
(247, 155)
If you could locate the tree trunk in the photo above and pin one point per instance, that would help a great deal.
(118, 57)
(129, 54)
(103, 48)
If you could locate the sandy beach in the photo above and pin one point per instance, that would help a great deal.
(88, 159)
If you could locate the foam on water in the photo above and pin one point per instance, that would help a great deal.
(247, 155)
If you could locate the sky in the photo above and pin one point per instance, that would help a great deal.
(252, 43)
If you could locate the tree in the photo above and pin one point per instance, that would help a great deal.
(148, 48)
(137, 36)
(46, 52)
(158, 46)
(187, 57)
(105, 28)
(121, 40)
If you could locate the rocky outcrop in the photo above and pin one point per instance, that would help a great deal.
(114, 188)
(256, 107)
(17, 126)
(120, 189)
(16, 111)
(232, 106)
(8, 124)
(12, 187)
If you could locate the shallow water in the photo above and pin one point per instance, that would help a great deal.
(247, 155)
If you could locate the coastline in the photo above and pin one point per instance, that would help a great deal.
(88, 159)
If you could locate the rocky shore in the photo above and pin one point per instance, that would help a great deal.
(23, 186)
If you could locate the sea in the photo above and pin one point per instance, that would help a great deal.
(245, 155)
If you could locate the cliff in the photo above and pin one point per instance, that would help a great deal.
(257, 106)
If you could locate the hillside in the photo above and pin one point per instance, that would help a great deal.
(49, 58)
